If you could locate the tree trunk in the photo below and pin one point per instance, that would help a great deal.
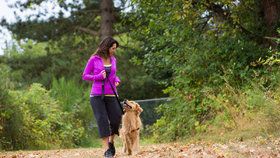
(271, 11)
(107, 18)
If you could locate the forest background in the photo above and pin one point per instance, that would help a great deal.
(217, 59)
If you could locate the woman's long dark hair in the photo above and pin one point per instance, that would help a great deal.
(104, 46)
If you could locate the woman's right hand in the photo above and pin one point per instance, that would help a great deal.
(103, 72)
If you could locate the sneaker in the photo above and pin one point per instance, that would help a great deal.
(108, 154)
(112, 148)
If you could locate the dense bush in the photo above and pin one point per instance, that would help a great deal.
(74, 99)
(35, 120)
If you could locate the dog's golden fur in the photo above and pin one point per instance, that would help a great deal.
(131, 124)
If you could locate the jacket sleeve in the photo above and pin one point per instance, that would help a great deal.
(88, 72)
(117, 79)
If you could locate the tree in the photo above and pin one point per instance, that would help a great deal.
(68, 40)
(95, 18)
(271, 15)
(107, 19)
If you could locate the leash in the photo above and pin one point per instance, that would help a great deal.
(103, 89)
(115, 95)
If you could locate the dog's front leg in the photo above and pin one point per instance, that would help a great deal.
(129, 151)
(124, 146)
(136, 144)
(128, 144)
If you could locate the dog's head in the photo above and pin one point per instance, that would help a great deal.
(132, 106)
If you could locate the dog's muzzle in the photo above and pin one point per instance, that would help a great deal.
(125, 104)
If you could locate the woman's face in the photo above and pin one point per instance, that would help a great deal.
(112, 49)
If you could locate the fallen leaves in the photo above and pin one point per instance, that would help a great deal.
(256, 148)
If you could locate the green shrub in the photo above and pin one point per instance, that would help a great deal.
(72, 98)
(36, 121)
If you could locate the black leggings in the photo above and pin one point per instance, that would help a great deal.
(107, 114)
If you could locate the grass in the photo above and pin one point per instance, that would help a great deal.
(264, 122)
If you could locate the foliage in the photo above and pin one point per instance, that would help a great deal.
(5, 84)
(67, 93)
(5, 81)
(73, 99)
(197, 47)
(274, 57)
(252, 108)
(34, 120)
(136, 83)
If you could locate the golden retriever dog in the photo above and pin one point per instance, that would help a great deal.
(131, 124)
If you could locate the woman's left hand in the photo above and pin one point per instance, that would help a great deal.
(117, 83)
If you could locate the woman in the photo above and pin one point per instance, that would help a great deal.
(101, 69)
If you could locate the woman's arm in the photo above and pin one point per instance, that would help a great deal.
(117, 79)
(88, 71)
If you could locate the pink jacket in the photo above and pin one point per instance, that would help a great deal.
(92, 72)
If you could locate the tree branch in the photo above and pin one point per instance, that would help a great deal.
(226, 16)
(86, 30)
(120, 32)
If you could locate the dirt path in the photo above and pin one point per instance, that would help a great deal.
(258, 148)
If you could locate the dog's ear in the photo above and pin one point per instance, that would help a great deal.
(139, 109)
